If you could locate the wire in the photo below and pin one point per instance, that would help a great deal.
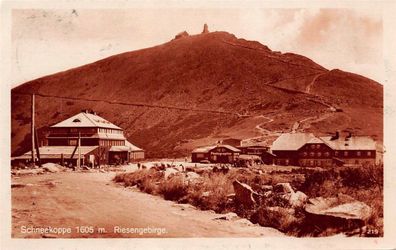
(130, 104)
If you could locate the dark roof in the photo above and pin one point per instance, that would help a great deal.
(208, 148)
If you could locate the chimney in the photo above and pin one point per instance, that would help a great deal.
(336, 136)
(348, 136)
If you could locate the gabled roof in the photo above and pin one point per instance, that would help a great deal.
(292, 141)
(353, 143)
(132, 147)
(203, 149)
(208, 148)
(315, 140)
(129, 147)
(84, 119)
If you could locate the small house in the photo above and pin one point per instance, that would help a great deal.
(216, 154)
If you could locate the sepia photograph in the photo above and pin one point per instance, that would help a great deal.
(199, 121)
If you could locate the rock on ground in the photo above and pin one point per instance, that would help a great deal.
(298, 199)
(28, 171)
(192, 176)
(244, 194)
(169, 171)
(52, 167)
(336, 212)
(283, 188)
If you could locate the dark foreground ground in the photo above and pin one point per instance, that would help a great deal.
(92, 204)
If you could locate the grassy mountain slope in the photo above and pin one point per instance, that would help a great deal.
(215, 71)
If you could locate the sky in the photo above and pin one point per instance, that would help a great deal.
(46, 41)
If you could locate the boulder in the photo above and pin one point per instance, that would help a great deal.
(29, 171)
(337, 212)
(52, 167)
(244, 194)
(169, 171)
(283, 188)
(298, 199)
(192, 176)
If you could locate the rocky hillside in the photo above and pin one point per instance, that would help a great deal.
(215, 71)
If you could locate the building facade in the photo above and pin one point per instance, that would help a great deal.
(105, 142)
(262, 151)
(215, 154)
(304, 149)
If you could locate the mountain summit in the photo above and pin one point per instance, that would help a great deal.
(259, 93)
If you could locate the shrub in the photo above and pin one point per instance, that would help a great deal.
(363, 177)
(278, 217)
(217, 187)
(174, 188)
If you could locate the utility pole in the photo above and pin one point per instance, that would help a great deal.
(79, 150)
(32, 132)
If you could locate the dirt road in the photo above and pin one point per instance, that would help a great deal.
(92, 204)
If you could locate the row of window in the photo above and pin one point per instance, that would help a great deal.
(350, 153)
(111, 143)
(110, 131)
(336, 153)
(318, 154)
(82, 130)
(315, 146)
(315, 163)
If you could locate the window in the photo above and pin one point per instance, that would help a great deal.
(305, 154)
(368, 153)
(336, 153)
(318, 146)
(312, 154)
(287, 162)
(358, 153)
(76, 120)
(313, 146)
(327, 154)
(73, 130)
(345, 153)
(73, 142)
(319, 154)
